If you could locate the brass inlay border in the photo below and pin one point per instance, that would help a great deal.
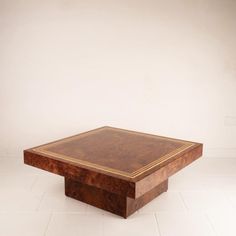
(42, 150)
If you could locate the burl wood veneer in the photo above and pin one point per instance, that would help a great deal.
(114, 169)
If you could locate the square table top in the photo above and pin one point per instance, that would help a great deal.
(112, 151)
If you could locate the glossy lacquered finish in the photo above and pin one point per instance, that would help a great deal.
(125, 169)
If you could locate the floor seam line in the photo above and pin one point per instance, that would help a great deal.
(157, 224)
(40, 202)
(210, 223)
(47, 226)
(183, 201)
(34, 181)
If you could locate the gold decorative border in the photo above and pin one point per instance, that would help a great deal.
(41, 150)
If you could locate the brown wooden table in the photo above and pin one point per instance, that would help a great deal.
(114, 169)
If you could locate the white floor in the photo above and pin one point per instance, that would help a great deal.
(201, 201)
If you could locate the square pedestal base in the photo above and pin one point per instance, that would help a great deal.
(117, 204)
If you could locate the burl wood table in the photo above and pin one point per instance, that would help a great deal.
(114, 169)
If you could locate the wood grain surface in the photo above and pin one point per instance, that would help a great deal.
(123, 169)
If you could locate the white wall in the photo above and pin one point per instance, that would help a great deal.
(164, 67)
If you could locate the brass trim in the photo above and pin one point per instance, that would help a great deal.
(41, 150)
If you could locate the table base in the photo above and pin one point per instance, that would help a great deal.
(117, 204)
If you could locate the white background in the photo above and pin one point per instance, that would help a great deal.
(162, 67)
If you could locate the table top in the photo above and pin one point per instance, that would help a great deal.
(116, 151)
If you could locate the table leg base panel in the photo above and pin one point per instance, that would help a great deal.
(117, 204)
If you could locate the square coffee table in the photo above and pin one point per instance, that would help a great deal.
(114, 169)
